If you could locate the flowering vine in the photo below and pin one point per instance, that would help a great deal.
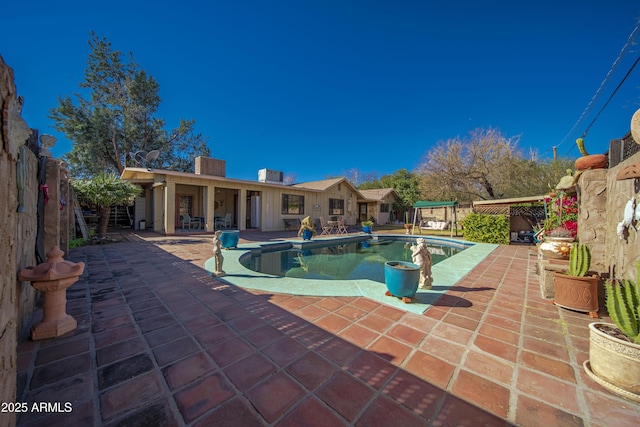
(562, 218)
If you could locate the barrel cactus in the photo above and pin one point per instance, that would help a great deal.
(579, 260)
(623, 305)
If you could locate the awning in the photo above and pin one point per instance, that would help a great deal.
(432, 204)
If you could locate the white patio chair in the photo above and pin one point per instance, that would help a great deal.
(187, 221)
(223, 223)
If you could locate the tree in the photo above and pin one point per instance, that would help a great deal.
(485, 165)
(103, 191)
(357, 177)
(405, 183)
(114, 115)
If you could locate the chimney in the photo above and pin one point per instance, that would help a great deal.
(211, 166)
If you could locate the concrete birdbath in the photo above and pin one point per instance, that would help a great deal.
(52, 278)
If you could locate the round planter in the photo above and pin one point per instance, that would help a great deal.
(577, 293)
(366, 229)
(613, 363)
(402, 279)
(229, 239)
(556, 247)
(592, 161)
(307, 234)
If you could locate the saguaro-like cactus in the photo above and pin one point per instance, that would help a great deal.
(579, 260)
(623, 305)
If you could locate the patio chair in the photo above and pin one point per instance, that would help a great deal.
(223, 223)
(187, 221)
(326, 228)
(342, 228)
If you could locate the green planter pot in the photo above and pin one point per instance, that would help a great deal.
(229, 239)
(402, 279)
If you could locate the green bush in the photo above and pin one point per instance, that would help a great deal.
(486, 228)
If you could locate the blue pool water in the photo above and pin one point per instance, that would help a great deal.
(347, 261)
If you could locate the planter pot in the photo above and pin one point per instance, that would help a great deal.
(613, 363)
(577, 293)
(366, 229)
(408, 228)
(402, 279)
(307, 234)
(592, 161)
(229, 239)
(556, 247)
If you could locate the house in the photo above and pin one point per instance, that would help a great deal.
(209, 195)
(377, 203)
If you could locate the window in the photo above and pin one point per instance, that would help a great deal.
(384, 207)
(336, 206)
(292, 204)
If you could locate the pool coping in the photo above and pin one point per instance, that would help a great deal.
(446, 273)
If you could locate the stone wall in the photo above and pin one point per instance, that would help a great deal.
(19, 192)
(602, 202)
(12, 128)
(622, 254)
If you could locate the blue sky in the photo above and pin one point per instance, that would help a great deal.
(367, 85)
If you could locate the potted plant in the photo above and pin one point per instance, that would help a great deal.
(574, 289)
(557, 243)
(366, 226)
(614, 349)
(307, 230)
(561, 226)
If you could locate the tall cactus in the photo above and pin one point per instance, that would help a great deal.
(579, 260)
(623, 305)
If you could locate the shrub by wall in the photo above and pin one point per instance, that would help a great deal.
(485, 228)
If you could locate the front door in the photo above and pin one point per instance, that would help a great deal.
(362, 211)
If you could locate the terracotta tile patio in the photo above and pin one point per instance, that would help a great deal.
(162, 343)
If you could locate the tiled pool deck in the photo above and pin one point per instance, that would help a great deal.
(162, 343)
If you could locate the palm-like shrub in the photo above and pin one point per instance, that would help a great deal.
(105, 190)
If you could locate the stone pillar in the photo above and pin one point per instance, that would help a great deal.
(52, 208)
(66, 206)
(592, 191)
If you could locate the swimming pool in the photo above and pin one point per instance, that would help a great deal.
(445, 274)
(351, 260)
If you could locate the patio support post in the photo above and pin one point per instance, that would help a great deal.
(210, 209)
(170, 208)
(242, 209)
(158, 208)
